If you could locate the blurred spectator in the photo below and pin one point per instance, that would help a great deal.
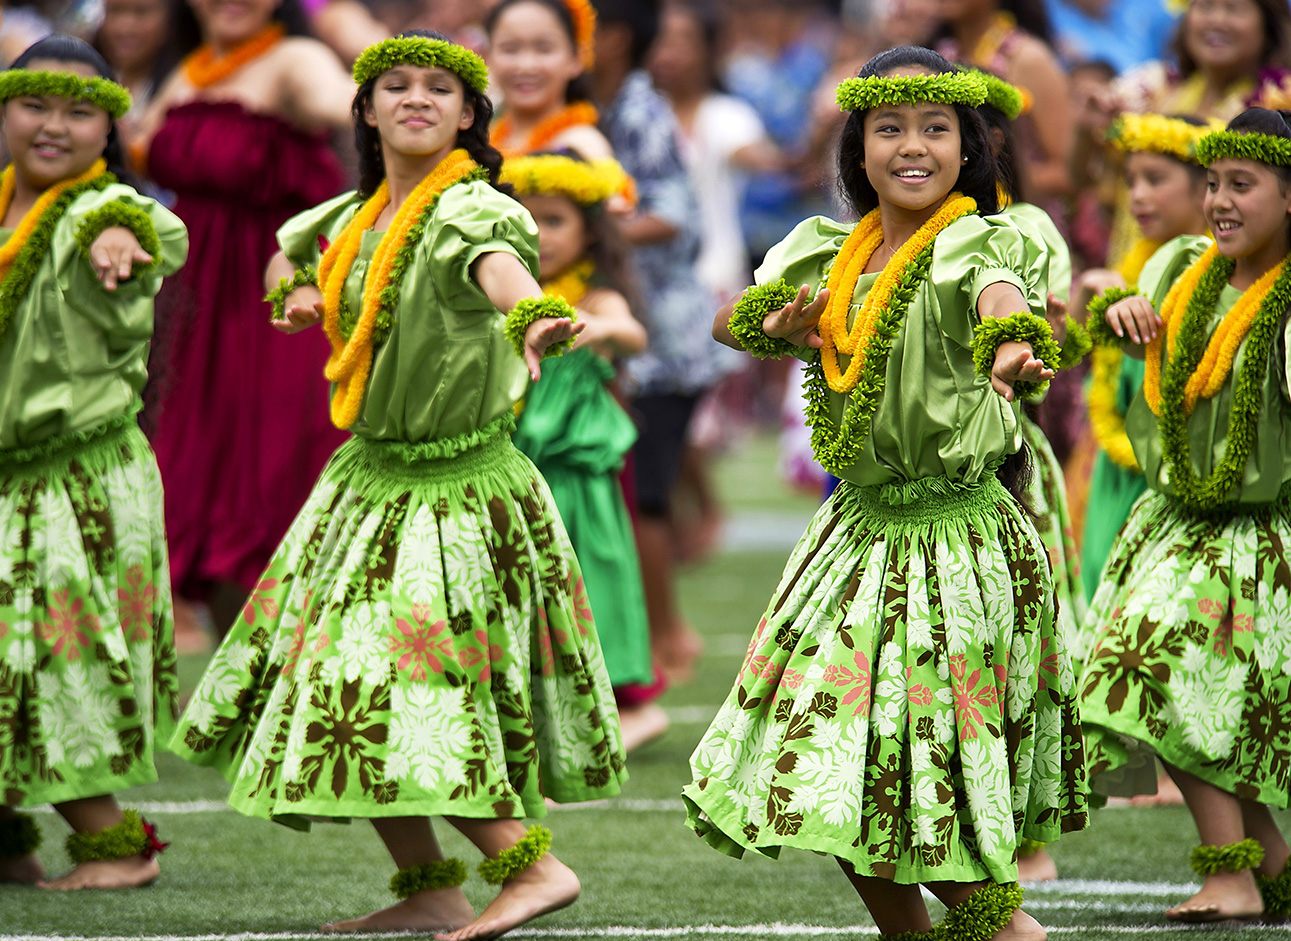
(238, 133)
(782, 52)
(1090, 218)
(536, 69)
(1012, 39)
(462, 21)
(136, 39)
(1123, 33)
(348, 26)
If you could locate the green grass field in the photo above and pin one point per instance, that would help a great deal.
(644, 875)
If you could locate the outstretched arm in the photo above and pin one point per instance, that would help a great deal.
(1014, 361)
(505, 281)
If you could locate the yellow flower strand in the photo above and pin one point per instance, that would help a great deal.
(8, 184)
(1105, 418)
(1217, 363)
(571, 284)
(849, 264)
(350, 362)
(1171, 316)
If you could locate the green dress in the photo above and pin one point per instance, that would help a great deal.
(577, 435)
(421, 643)
(906, 703)
(87, 656)
(1191, 622)
(1047, 493)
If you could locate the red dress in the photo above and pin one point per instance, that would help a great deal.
(242, 428)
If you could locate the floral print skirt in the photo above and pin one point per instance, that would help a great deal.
(1047, 499)
(87, 656)
(421, 644)
(1191, 653)
(906, 703)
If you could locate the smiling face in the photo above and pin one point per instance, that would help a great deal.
(563, 238)
(1247, 205)
(229, 22)
(912, 152)
(418, 111)
(532, 58)
(1224, 35)
(1165, 197)
(52, 138)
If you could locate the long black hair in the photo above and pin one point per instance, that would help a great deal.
(186, 32)
(1031, 16)
(580, 89)
(63, 48)
(474, 140)
(977, 178)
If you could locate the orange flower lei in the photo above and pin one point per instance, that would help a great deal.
(548, 129)
(202, 68)
(1217, 362)
(584, 16)
(13, 245)
(351, 360)
(850, 262)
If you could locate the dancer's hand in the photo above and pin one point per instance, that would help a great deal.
(1134, 317)
(114, 254)
(1016, 362)
(303, 308)
(543, 333)
(796, 322)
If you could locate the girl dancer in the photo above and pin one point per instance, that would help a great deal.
(87, 662)
(421, 643)
(1189, 660)
(906, 704)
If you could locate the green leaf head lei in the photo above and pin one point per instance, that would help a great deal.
(100, 92)
(1238, 145)
(1000, 95)
(945, 88)
(423, 51)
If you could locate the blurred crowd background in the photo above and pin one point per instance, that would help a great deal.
(746, 154)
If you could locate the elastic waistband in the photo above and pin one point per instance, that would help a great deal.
(460, 455)
(1226, 511)
(929, 500)
(62, 448)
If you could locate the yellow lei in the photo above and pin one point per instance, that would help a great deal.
(1217, 362)
(1105, 375)
(351, 360)
(849, 264)
(8, 183)
(571, 284)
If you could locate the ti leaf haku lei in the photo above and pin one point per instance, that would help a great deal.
(120, 213)
(1206, 860)
(440, 874)
(351, 358)
(133, 836)
(1003, 97)
(869, 340)
(22, 253)
(575, 114)
(945, 88)
(1196, 369)
(100, 92)
(425, 52)
(1076, 346)
(1099, 329)
(529, 309)
(749, 315)
(1019, 327)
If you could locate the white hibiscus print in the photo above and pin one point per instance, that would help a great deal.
(430, 735)
(78, 711)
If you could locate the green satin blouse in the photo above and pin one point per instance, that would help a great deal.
(1042, 238)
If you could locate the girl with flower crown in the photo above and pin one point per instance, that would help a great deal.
(906, 704)
(539, 54)
(1189, 661)
(571, 427)
(421, 643)
(1166, 186)
(87, 660)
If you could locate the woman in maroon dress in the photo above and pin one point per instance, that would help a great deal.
(239, 134)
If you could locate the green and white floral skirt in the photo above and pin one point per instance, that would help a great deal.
(421, 644)
(1047, 496)
(87, 655)
(906, 703)
(1191, 652)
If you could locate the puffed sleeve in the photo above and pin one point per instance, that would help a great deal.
(1167, 265)
(803, 255)
(471, 220)
(299, 236)
(1044, 241)
(127, 310)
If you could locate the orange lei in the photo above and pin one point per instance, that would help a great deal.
(351, 360)
(203, 69)
(9, 251)
(849, 264)
(547, 130)
(1217, 362)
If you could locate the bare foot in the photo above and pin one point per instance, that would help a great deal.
(127, 873)
(544, 887)
(428, 910)
(1021, 927)
(1037, 867)
(1223, 895)
(26, 869)
(676, 651)
(641, 724)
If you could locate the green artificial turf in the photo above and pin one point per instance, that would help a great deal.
(227, 875)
